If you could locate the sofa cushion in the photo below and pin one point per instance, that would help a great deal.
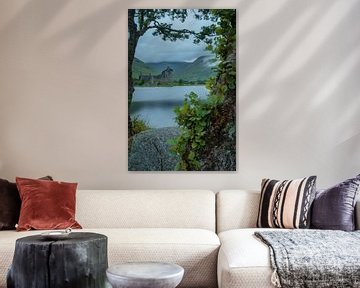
(46, 204)
(194, 249)
(286, 204)
(244, 261)
(334, 208)
(153, 209)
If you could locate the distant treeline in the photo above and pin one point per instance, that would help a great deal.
(179, 82)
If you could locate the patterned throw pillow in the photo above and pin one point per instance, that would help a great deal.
(286, 204)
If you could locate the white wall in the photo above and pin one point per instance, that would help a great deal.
(63, 89)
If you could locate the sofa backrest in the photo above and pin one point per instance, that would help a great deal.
(236, 209)
(239, 209)
(146, 209)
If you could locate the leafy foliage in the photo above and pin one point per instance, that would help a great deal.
(209, 127)
(193, 119)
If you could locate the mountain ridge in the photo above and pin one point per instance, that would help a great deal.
(199, 69)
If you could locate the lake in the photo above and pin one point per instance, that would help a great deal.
(155, 105)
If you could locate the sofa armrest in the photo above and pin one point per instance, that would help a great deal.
(357, 215)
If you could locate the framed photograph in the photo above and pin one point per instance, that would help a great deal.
(182, 89)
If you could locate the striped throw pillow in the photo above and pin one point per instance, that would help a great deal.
(286, 204)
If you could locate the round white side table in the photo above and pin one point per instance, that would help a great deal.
(145, 275)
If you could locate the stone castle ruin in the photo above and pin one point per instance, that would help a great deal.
(163, 77)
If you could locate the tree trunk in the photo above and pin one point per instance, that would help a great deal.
(132, 43)
(79, 261)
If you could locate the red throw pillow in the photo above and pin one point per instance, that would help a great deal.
(10, 204)
(46, 204)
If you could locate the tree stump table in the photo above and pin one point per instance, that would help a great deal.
(78, 261)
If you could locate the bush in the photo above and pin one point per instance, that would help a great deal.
(193, 118)
(139, 125)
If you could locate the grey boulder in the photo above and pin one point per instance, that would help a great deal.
(150, 150)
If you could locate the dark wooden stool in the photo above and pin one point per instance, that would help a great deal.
(79, 261)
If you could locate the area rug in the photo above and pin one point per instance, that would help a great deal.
(313, 258)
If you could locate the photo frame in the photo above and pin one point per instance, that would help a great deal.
(182, 89)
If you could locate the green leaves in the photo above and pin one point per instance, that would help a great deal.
(194, 120)
(206, 123)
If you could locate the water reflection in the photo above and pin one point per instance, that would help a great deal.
(155, 105)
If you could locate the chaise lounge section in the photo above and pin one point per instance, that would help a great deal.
(244, 260)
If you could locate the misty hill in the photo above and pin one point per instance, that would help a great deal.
(200, 69)
(140, 68)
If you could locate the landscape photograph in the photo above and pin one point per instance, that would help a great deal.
(181, 89)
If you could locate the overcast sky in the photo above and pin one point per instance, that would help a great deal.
(153, 49)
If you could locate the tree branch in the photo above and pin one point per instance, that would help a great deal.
(167, 29)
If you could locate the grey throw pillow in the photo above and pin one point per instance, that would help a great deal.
(334, 208)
